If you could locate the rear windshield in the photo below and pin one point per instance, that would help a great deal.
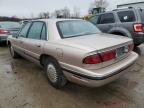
(141, 11)
(75, 28)
(8, 25)
(126, 16)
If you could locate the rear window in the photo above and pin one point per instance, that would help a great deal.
(94, 19)
(126, 16)
(75, 28)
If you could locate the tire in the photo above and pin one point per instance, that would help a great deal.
(12, 52)
(136, 45)
(54, 73)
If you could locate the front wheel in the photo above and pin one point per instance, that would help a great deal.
(12, 52)
(54, 73)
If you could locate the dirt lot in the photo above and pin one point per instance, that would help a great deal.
(24, 85)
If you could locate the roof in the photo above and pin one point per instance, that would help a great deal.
(131, 2)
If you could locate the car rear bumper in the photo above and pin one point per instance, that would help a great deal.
(101, 76)
(138, 39)
(3, 38)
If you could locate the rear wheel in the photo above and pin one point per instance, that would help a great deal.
(12, 52)
(117, 33)
(136, 45)
(54, 73)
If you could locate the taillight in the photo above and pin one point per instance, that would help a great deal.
(3, 31)
(98, 58)
(94, 59)
(106, 56)
(138, 27)
(131, 47)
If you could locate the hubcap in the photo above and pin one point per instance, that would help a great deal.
(12, 51)
(51, 73)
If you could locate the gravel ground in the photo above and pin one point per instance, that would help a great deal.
(24, 85)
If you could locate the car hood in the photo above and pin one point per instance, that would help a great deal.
(94, 42)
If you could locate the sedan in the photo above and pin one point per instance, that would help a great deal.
(73, 50)
(7, 28)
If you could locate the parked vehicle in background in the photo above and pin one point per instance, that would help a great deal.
(24, 22)
(8, 28)
(125, 22)
(131, 3)
(73, 50)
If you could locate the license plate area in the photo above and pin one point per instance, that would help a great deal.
(122, 51)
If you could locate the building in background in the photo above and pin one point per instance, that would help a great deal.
(135, 4)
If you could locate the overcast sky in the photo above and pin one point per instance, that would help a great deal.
(23, 8)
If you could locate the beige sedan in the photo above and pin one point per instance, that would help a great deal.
(73, 50)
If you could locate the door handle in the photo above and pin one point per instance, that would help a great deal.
(38, 45)
(21, 42)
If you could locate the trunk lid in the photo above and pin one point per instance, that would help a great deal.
(98, 43)
(95, 42)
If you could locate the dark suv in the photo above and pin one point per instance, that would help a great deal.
(126, 22)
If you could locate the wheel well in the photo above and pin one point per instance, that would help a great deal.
(43, 58)
(8, 43)
(118, 33)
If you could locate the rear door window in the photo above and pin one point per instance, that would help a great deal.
(126, 16)
(35, 30)
(44, 33)
(106, 18)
